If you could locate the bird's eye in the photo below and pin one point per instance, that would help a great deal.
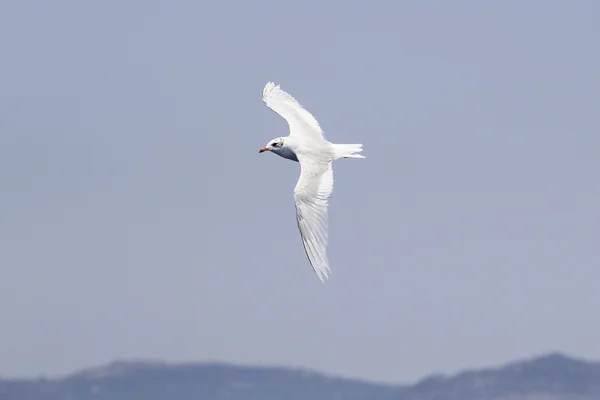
(275, 144)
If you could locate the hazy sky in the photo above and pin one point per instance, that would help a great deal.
(137, 219)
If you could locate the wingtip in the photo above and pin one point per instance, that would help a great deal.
(268, 88)
(324, 275)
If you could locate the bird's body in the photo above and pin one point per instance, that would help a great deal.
(307, 145)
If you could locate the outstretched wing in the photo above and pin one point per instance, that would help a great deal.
(311, 195)
(301, 122)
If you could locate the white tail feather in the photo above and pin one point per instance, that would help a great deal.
(347, 151)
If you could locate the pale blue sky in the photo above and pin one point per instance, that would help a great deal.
(137, 219)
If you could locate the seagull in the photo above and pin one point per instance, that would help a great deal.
(306, 144)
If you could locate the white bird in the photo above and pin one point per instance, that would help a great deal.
(306, 144)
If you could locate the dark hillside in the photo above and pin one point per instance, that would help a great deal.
(552, 377)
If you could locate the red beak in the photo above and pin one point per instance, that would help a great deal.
(263, 150)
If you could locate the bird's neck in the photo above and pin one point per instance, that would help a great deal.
(286, 152)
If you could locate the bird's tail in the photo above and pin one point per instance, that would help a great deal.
(347, 151)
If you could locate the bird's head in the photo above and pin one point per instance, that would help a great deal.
(273, 144)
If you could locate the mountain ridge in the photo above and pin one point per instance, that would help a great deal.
(553, 376)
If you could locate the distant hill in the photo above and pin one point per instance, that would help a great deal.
(551, 377)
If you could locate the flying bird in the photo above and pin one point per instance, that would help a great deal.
(306, 144)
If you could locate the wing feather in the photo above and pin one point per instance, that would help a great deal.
(301, 122)
(311, 196)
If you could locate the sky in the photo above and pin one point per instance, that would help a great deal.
(138, 221)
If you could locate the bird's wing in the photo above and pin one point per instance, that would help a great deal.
(311, 195)
(301, 122)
